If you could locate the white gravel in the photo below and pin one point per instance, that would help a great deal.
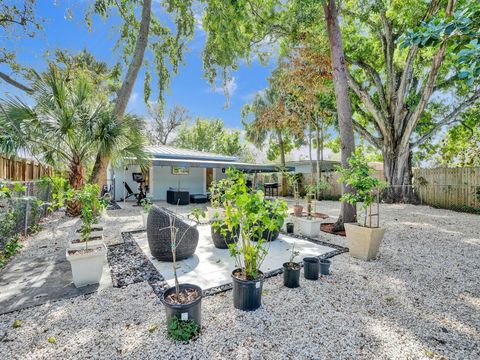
(420, 299)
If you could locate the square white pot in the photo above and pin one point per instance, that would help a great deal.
(363, 242)
(87, 268)
(308, 227)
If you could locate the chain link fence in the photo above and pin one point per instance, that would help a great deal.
(22, 205)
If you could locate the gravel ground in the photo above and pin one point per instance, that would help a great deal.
(420, 299)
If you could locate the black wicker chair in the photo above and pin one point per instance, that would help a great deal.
(159, 235)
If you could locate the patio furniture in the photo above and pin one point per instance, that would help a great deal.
(268, 189)
(198, 198)
(159, 234)
(178, 196)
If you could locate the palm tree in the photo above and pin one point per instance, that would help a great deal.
(68, 127)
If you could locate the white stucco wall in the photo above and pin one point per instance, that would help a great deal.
(162, 179)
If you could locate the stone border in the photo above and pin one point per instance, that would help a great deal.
(158, 283)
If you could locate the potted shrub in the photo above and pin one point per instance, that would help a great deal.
(247, 209)
(291, 271)
(293, 181)
(363, 239)
(87, 260)
(146, 204)
(216, 211)
(183, 302)
(221, 236)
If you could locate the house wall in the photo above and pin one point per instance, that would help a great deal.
(161, 178)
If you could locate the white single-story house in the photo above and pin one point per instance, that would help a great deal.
(177, 168)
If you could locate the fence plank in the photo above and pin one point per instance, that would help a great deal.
(17, 169)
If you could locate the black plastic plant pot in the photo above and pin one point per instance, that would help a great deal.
(192, 311)
(247, 294)
(311, 268)
(291, 275)
(289, 228)
(325, 266)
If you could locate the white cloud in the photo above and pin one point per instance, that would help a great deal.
(229, 87)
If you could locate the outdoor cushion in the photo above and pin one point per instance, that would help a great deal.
(198, 198)
(159, 235)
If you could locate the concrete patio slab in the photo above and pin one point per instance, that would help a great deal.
(211, 267)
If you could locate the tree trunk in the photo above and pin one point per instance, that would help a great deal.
(398, 174)
(282, 161)
(75, 180)
(348, 213)
(310, 148)
(101, 162)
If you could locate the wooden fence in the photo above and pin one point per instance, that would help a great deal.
(447, 187)
(15, 169)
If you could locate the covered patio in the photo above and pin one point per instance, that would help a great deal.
(181, 169)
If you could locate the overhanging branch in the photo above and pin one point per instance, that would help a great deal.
(15, 83)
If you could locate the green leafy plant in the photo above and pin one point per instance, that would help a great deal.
(146, 204)
(60, 191)
(253, 214)
(358, 176)
(293, 180)
(91, 207)
(182, 330)
(215, 194)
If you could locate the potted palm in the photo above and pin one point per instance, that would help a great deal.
(363, 239)
(291, 270)
(247, 210)
(87, 257)
(146, 204)
(183, 302)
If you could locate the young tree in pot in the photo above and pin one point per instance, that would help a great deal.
(363, 239)
(291, 271)
(216, 211)
(87, 257)
(293, 181)
(248, 210)
(183, 302)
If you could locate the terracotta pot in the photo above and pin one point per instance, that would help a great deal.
(297, 210)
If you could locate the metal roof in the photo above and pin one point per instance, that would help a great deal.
(170, 152)
(217, 164)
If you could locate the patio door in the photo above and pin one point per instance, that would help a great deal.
(209, 178)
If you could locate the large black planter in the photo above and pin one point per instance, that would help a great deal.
(289, 228)
(291, 275)
(192, 311)
(247, 294)
(311, 268)
(268, 235)
(222, 241)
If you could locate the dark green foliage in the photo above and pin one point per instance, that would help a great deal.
(182, 330)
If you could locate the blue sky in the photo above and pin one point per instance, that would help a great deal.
(188, 88)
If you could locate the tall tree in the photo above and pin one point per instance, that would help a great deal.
(136, 36)
(210, 135)
(397, 88)
(162, 128)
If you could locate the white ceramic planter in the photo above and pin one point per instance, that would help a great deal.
(144, 218)
(308, 227)
(87, 268)
(215, 213)
(363, 242)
